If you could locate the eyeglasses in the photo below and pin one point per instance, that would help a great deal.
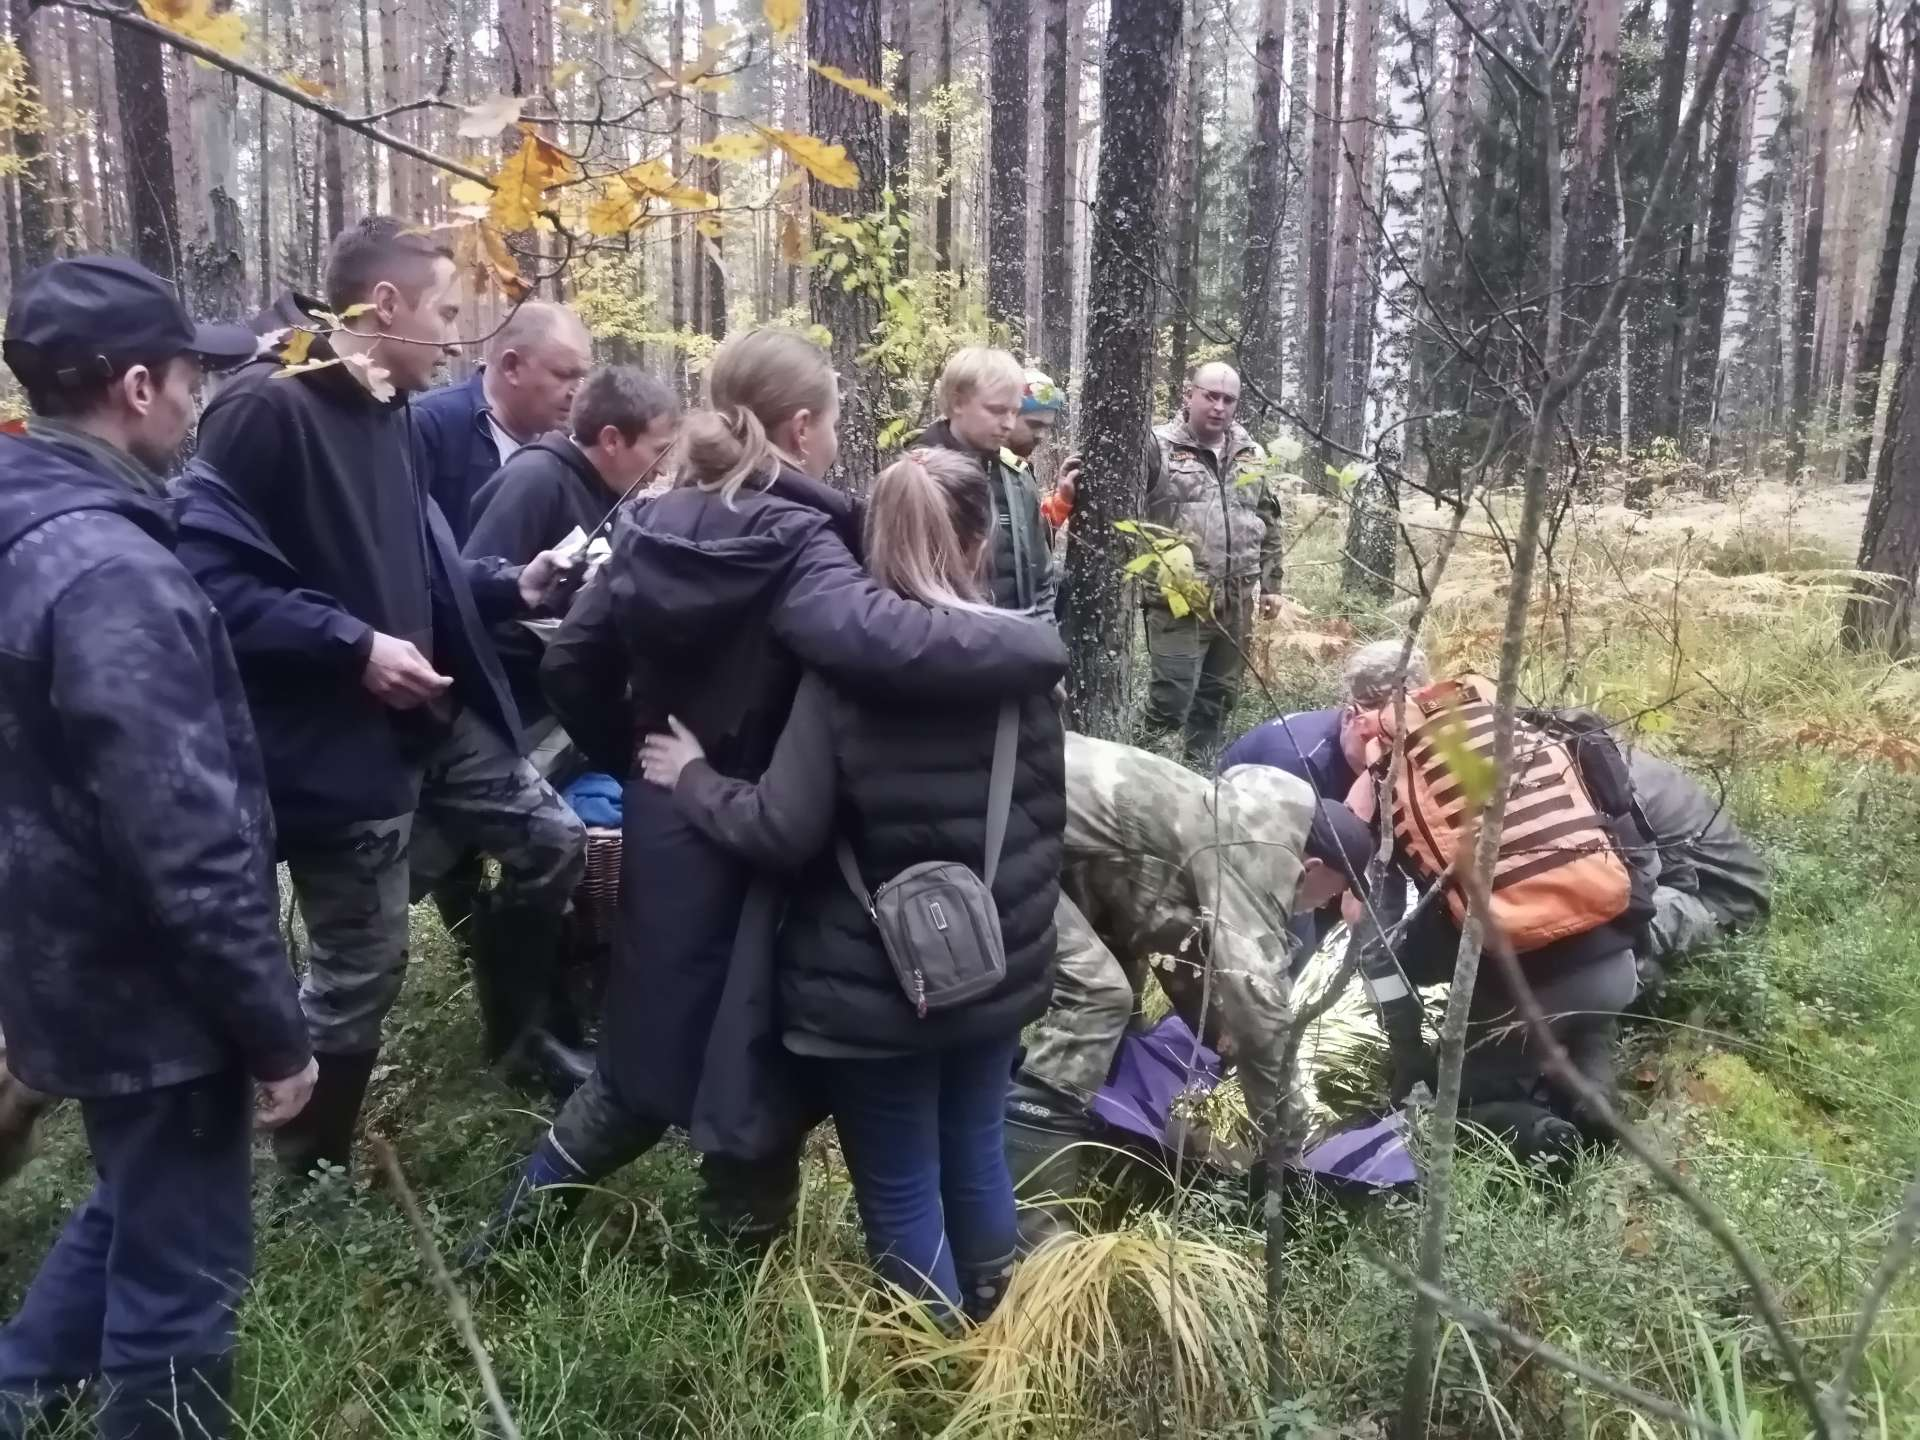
(1218, 397)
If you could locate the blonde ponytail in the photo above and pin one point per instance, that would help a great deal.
(928, 520)
(756, 382)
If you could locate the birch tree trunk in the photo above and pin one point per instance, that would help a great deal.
(1314, 395)
(1350, 311)
(1116, 411)
(1716, 270)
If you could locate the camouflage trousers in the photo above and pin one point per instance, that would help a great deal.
(1197, 666)
(1070, 1049)
(355, 885)
(1681, 922)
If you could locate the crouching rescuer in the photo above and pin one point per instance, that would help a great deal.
(1562, 896)
(1167, 869)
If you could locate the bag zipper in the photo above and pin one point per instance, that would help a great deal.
(920, 992)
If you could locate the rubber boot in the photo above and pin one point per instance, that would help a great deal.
(1533, 1132)
(983, 1287)
(527, 1198)
(1046, 1157)
(515, 961)
(322, 1134)
(749, 1204)
(458, 899)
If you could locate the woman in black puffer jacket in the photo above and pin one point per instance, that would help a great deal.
(918, 1096)
(716, 596)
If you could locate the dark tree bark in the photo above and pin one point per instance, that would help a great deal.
(333, 159)
(1873, 345)
(1185, 230)
(1807, 285)
(1056, 252)
(35, 237)
(943, 150)
(81, 72)
(1352, 310)
(846, 33)
(1319, 216)
(1661, 292)
(263, 171)
(1259, 350)
(1881, 617)
(1137, 94)
(153, 208)
(1007, 80)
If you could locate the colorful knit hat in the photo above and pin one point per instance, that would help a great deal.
(1041, 394)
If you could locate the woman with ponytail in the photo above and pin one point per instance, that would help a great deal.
(717, 595)
(918, 1092)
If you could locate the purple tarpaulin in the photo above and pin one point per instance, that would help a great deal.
(1149, 1073)
(1372, 1153)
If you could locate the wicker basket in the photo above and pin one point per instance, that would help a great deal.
(598, 898)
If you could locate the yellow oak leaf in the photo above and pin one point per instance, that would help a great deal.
(470, 192)
(793, 240)
(220, 30)
(305, 367)
(783, 15)
(826, 163)
(712, 229)
(564, 74)
(650, 177)
(614, 212)
(737, 148)
(500, 265)
(521, 184)
(298, 344)
(865, 89)
(690, 197)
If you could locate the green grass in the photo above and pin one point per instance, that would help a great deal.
(1783, 1073)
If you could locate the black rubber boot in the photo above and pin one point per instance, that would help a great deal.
(322, 1134)
(1046, 1156)
(1533, 1132)
(749, 1204)
(458, 898)
(515, 952)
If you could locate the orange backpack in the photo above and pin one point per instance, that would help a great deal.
(1559, 872)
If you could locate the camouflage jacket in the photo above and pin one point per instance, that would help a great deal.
(139, 936)
(1160, 858)
(1231, 519)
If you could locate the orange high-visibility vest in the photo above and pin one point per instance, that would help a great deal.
(1559, 872)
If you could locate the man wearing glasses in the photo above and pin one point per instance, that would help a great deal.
(1206, 480)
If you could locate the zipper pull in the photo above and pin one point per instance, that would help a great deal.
(920, 992)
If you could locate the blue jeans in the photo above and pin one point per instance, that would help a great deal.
(922, 1137)
(139, 1290)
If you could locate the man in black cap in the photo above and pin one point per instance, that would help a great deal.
(392, 742)
(141, 967)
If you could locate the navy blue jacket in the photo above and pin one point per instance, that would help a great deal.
(454, 449)
(308, 530)
(139, 939)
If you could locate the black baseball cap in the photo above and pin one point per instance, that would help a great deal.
(72, 321)
(1340, 838)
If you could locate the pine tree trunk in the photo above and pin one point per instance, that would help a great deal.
(263, 173)
(943, 148)
(40, 45)
(153, 208)
(1259, 358)
(1036, 229)
(1007, 54)
(392, 84)
(1056, 253)
(1290, 300)
(710, 275)
(1079, 201)
(80, 72)
(1590, 201)
(216, 266)
(1881, 617)
(1873, 344)
(1653, 309)
(34, 239)
(1117, 408)
(1184, 232)
(1807, 282)
(846, 33)
(369, 102)
(681, 285)
(1314, 396)
(333, 164)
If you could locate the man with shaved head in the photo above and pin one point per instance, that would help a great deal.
(1207, 481)
(535, 362)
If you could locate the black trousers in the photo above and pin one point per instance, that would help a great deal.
(138, 1293)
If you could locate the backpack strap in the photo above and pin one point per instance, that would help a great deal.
(1000, 786)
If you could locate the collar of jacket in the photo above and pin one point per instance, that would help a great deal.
(110, 459)
(1178, 433)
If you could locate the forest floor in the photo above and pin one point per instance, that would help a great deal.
(1782, 1073)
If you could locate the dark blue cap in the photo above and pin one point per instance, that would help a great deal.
(74, 321)
(1340, 838)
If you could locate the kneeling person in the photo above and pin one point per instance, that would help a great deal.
(1160, 861)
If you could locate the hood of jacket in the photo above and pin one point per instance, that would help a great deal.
(294, 310)
(688, 570)
(45, 478)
